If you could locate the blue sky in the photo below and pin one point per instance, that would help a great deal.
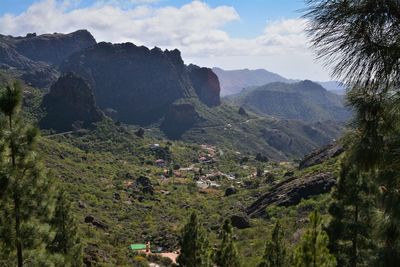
(254, 14)
(227, 33)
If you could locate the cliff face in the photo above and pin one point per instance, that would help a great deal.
(139, 83)
(206, 84)
(69, 104)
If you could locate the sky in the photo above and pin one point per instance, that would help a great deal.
(231, 34)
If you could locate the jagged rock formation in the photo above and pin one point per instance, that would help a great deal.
(141, 84)
(321, 155)
(206, 85)
(69, 104)
(291, 191)
(36, 57)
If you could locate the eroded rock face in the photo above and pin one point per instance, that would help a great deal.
(206, 85)
(139, 83)
(69, 102)
(291, 191)
(321, 155)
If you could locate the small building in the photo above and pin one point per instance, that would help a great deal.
(138, 247)
(160, 163)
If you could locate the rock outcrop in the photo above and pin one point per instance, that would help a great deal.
(291, 191)
(70, 103)
(206, 85)
(321, 155)
(240, 222)
(141, 84)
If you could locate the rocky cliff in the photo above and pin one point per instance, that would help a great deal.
(292, 191)
(206, 85)
(321, 155)
(140, 83)
(70, 104)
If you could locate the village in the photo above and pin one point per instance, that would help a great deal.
(207, 178)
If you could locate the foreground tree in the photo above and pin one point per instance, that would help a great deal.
(194, 245)
(352, 209)
(275, 251)
(227, 254)
(361, 40)
(25, 192)
(65, 241)
(313, 248)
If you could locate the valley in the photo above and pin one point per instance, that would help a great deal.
(139, 140)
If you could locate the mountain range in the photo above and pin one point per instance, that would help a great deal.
(234, 81)
(78, 81)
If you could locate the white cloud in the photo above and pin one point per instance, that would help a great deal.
(195, 28)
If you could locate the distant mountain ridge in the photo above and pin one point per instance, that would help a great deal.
(152, 88)
(305, 100)
(234, 81)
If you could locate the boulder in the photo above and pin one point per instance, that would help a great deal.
(144, 184)
(321, 155)
(291, 191)
(240, 222)
(69, 102)
(92, 220)
(230, 191)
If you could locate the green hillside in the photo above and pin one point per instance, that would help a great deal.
(304, 100)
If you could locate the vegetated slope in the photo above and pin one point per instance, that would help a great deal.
(233, 81)
(103, 172)
(306, 100)
(278, 139)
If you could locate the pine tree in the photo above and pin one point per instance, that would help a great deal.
(275, 251)
(361, 40)
(313, 248)
(350, 230)
(194, 245)
(66, 239)
(26, 192)
(227, 254)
